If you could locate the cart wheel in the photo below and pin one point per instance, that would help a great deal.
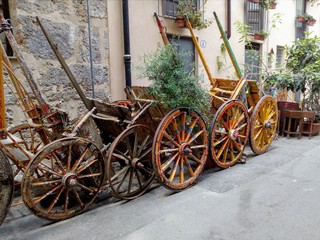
(63, 179)
(229, 133)
(263, 124)
(31, 140)
(129, 165)
(180, 148)
(6, 186)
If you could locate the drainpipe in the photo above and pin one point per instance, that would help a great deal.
(90, 50)
(126, 36)
(228, 19)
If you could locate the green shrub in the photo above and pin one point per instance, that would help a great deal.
(171, 84)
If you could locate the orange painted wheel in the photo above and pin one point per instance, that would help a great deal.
(129, 164)
(180, 148)
(229, 133)
(263, 124)
(63, 179)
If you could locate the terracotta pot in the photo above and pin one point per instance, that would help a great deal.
(254, 1)
(273, 6)
(310, 23)
(258, 36)
(180, 22)
(301, 19)
(306, 128)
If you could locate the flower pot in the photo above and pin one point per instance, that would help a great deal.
(301, 19)
(305, 129)
(254, 1)
(180, 22)
(258, 36)
(310, 23)
(273, 6)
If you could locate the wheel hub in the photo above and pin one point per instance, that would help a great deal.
(185, 149)
(267, 125)
(136, 163)
(234, 134)
(69, 180)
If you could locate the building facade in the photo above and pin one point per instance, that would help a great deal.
(67, 21)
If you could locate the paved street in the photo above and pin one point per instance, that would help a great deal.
(273, 196)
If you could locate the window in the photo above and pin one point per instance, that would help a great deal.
(300, 26)
(4, 11)
(185, 45)
(254, 16)
(280, 57)
(252, 60)
(169, 7)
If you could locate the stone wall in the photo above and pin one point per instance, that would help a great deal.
(66, 21)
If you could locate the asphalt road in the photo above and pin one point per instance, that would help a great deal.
(272, 196)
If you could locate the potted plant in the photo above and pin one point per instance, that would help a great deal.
(170, 82)
(261, 35)
(310, 20)
(305, 17)
(196, 16)
(273, 4)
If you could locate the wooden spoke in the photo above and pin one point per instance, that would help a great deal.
(129, 167)
(183, 126)
(169, 150)
(194, 137)
(181, 170)
(66, 203)
(57, 196)
(223, 147)
(31, 139)
(190, 141)
(220, 141)
(55, 199)
(90, 175)
(130, 181)
(176, 130)
(174, 170)
(40, 183)
(76, 194)
(85, 187)
(144, 143)
(191, 172)
(190, 129)
(263, 124)
(38, 199)
(78, 161)
(123, 179)
(166, 164)
(171, 139)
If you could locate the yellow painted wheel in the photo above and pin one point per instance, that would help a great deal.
(229, 133)
(180, 148)
(263, 124)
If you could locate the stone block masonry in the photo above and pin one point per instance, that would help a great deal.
(66, 21)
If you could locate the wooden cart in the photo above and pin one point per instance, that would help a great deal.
(120, 145)
(240, 113)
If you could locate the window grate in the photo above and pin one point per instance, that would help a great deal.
(255, 16)
(169, 7)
